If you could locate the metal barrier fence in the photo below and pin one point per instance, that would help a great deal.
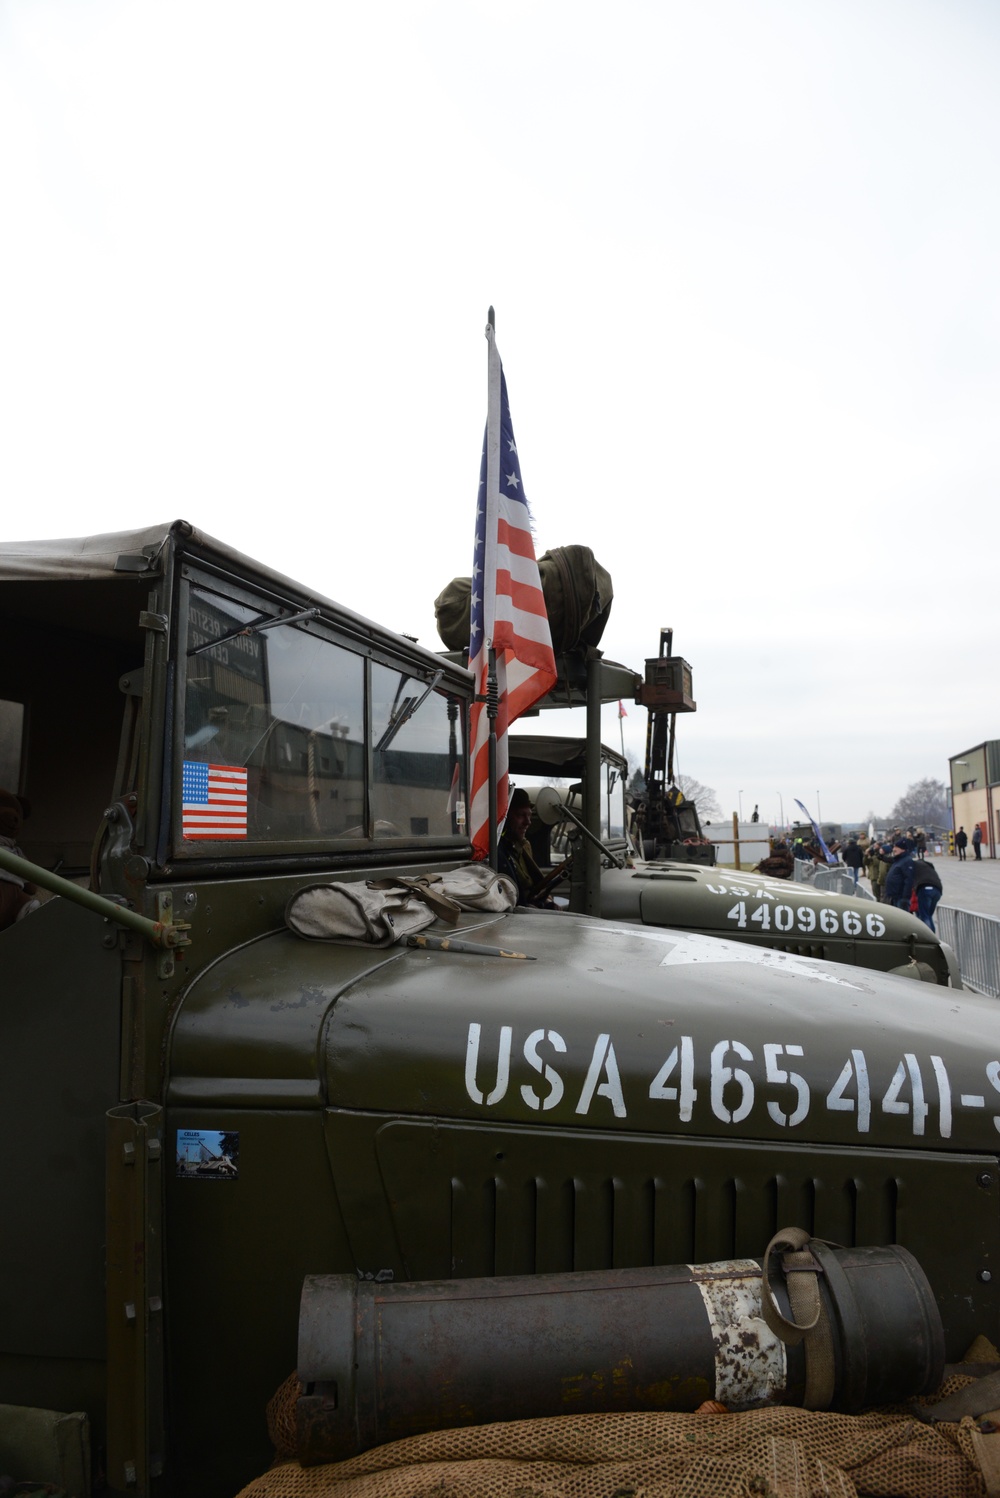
(832, 877)
(976, 941)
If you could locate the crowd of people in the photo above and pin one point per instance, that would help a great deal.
(900, 872)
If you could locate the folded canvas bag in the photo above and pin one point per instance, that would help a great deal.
(357, 913)
(475, 886)
(380, 912)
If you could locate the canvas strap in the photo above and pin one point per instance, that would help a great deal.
(443, 907)
(810, 1323)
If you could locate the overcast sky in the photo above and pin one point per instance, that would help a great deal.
(744, 258)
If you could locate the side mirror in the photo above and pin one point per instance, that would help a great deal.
(549, 807)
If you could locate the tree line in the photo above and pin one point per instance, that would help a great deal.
(925, 803)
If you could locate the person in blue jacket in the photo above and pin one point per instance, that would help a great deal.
(899, 880)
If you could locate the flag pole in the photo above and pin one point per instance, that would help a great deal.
(510, 641)
(489, 582)
(491, 713)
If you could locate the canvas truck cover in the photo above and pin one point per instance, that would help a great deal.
(120, 555)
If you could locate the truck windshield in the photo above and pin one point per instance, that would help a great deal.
(290, 736)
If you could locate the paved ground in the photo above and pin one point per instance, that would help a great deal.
(970, 885)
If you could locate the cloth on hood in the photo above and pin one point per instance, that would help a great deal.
(380, 912)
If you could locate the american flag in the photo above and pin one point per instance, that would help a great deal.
(508, 609)
(214, 801)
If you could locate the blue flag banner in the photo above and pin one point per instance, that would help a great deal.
(819, 836)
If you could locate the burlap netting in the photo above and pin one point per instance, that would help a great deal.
(770, 1453)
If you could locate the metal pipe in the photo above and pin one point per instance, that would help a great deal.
(592, 789)
(452, 944)
(160, 933)
(602, 851)
(492, 706)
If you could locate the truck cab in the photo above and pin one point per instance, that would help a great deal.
(194, 738)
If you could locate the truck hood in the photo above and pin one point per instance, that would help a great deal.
(777, 913)
(609, 1027)
(711, 899)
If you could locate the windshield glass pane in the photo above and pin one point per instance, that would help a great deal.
(273, 731)
(418, 789)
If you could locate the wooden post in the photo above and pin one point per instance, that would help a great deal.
(736, 839)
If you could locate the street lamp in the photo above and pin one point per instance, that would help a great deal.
(740, 794)
(782, 806)
(819, 814)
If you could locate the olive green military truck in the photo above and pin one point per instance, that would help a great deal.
(200, 1108)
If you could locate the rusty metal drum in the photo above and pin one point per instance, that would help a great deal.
(382, 1361)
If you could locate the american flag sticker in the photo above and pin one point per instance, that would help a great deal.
(214, 801)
